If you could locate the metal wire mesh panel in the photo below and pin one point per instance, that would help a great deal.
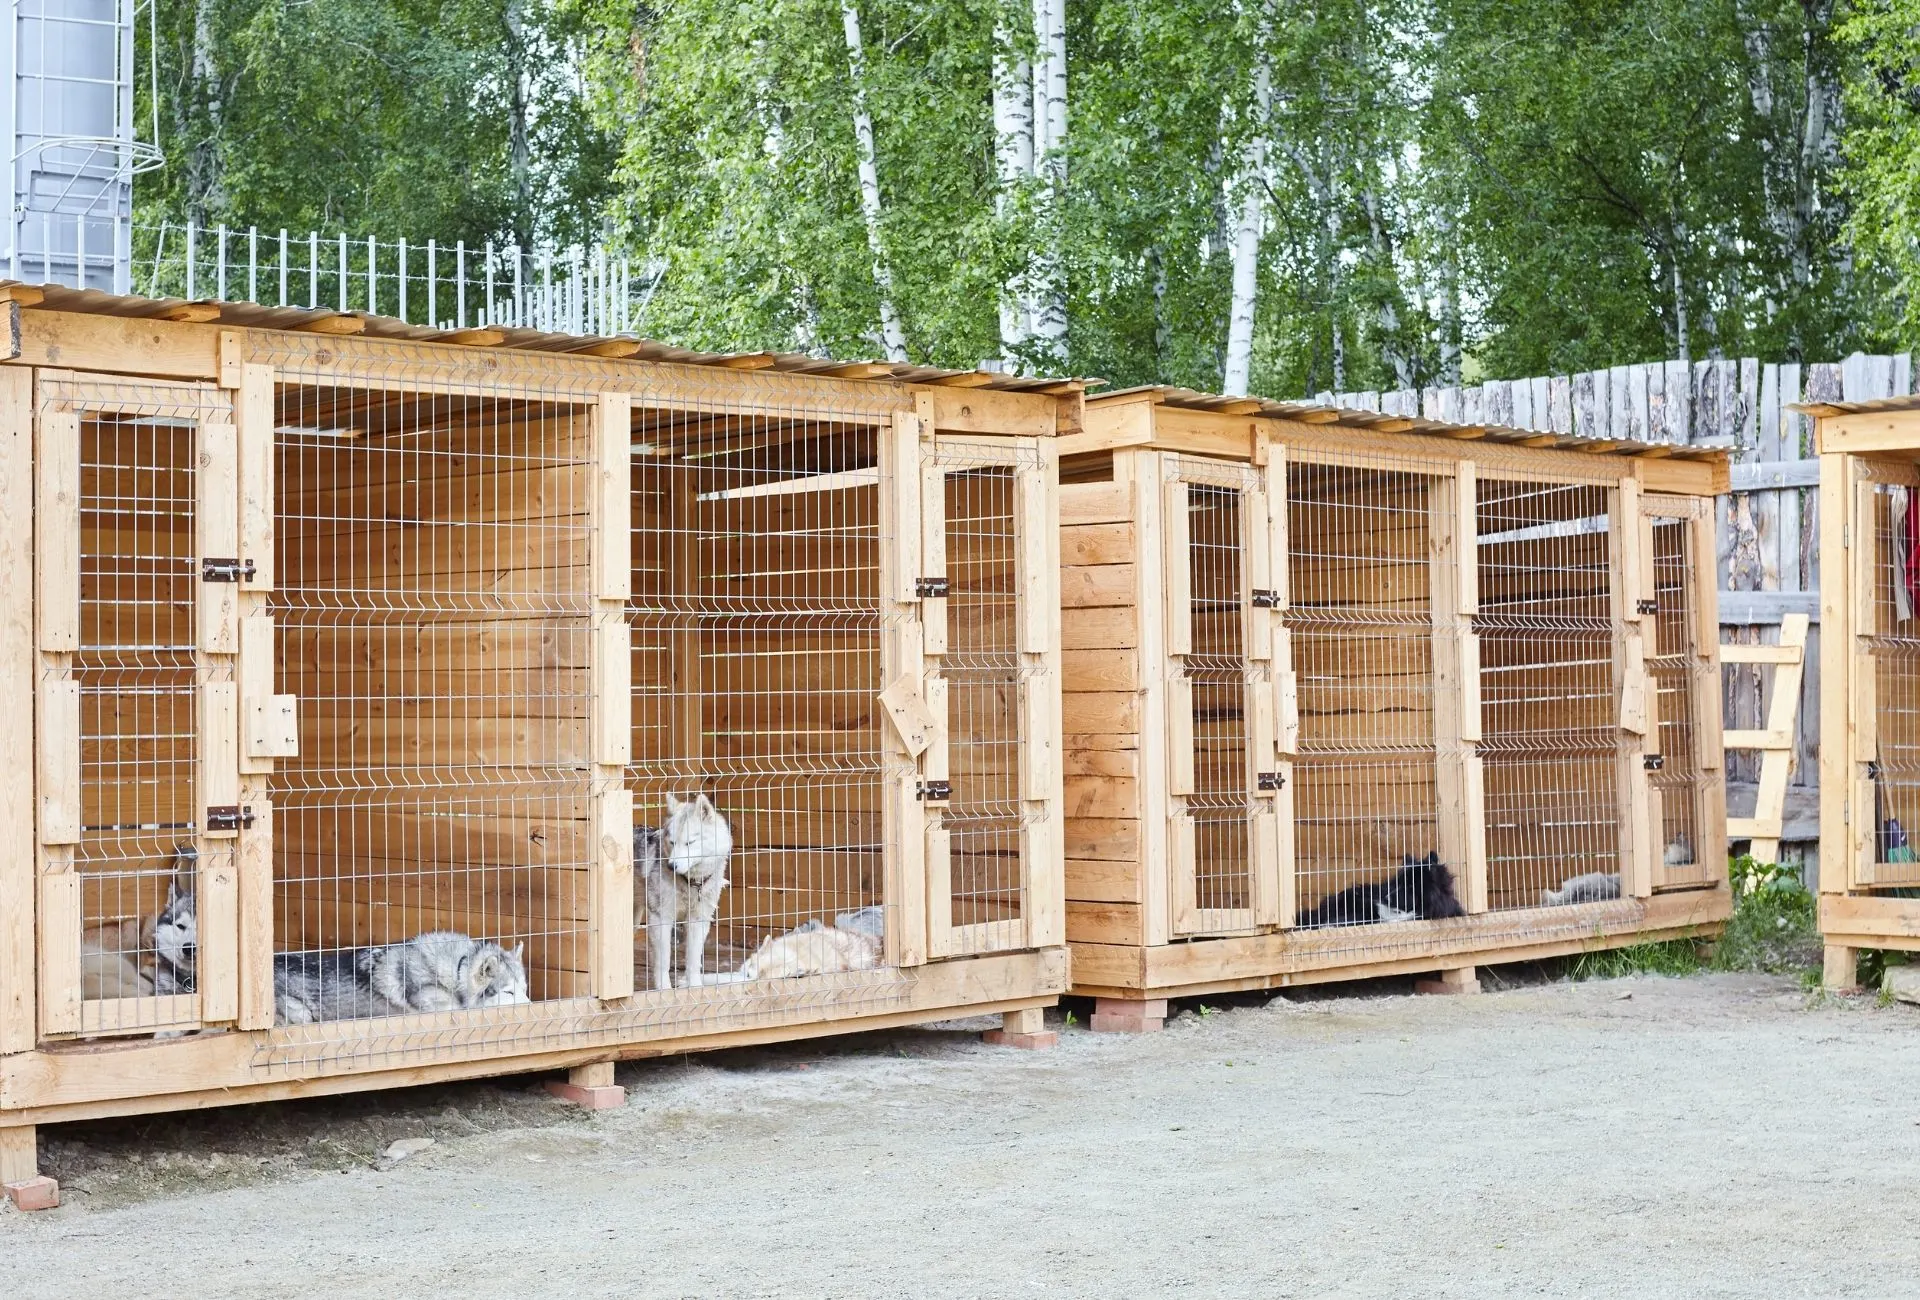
(1221, 507)
(1549, 733)
(1361, 624)
(138, 672)
(1672, 667)
(1894, 644)
(431, 849)
(984, 818)
(756, 624)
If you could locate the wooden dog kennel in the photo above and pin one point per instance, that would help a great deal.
(1870, 679)
(351, 630)
(1305, 647)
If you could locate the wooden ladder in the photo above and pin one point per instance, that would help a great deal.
(1776, 741)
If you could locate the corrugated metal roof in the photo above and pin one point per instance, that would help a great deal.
(252, 315)
(1355, 418)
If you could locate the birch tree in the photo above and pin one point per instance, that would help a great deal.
(1237, 372)
(892, 338)
(1049, 307)
(1013, 131)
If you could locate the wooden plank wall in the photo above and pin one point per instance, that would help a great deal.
(1106, 780)
(1767, 530)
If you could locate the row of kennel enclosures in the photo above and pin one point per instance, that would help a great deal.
(352, 631)
(1306, 647)
(1870, 679)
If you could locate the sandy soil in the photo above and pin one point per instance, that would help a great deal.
(1713, 1136)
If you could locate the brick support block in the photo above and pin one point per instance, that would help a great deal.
(36, 1193)
(590, 1087)
(1128, 1016)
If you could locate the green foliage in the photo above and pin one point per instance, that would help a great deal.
(1509, 188)
(1772, 928)
(1672, 957)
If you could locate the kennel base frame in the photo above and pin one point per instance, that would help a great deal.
(1869, 713)
(45, 1076)
(1130, 917)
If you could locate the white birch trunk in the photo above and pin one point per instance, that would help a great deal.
(1050, 109)
(1013, 154)
(1237, 373)
(891, 335)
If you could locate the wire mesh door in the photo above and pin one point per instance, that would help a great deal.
(136, 514)
(1362, 581)
(1887, 619)
(1550, 744)
(1220, 748)
(1683, 765)
(988, 624)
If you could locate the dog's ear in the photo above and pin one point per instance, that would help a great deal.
(674, 804)
(519, 949)
(186, 872)
(704, 804)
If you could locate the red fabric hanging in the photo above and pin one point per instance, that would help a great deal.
(1912, 544)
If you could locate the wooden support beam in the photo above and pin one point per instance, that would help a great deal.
(860, 370)
(747, 361)
(473, 338)
(612, 349)
(333, 325)
(193, 313)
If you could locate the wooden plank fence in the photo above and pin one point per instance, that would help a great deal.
(1768, 559)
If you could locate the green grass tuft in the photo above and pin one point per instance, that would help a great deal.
(1772, 927)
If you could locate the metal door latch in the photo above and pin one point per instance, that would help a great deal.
(229, 817)
(926, 588)
(212, 570)
(1271, 781)
(1266, 598)
(1654, 762)
(935, 791)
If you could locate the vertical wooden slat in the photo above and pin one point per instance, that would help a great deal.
(611, 893)
(1629, 581)
(611, 887)
(61, 922)
(1837, 856)
(686, 706)
(17, 671)
(217, 922)
(1144, 469)
(1256, 541)
(937, 864)
(254, 886)
(58, 765)
(254, 416)
(1180, 758)
(217, 520)
(933, 557)
(1862, 707)
(1176, 564)
(1183, 855)
(219, 749)
(56, 516)
(902, 524)
(613, 498)
(1452, 586)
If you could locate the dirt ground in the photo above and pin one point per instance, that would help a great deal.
(1709, 1136)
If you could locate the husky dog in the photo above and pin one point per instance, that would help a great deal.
(1422, 890)
(151, 956)
(438, 971)
(1679, 851)
(813, 949)
(1593, 887)
(683, 868)
(870, 921)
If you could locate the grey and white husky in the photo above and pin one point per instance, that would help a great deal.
(682, 870)
(152, 956)
(441, 970)
(1593, 887)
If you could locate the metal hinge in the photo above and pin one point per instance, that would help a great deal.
(229, 817)
(225, 570)
(1266, 598)
(1649, 607)
(1270, 781)
(934, 791)
(1654, 762)
(930, 587)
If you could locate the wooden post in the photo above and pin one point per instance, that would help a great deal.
(1836, 666)
(611, 895)
(1454, 593)
(902, 654)
(268, 722)
(1036, 519)
(1156, 803)
(56, 608)
(1840, 971)
(17, 668)
(20, 1176)
(1630, 583)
